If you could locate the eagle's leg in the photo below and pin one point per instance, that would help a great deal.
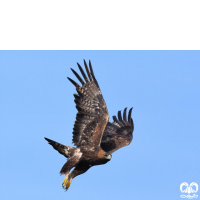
(77, 171)
(67, 182)
(64, 184)
(71, 162)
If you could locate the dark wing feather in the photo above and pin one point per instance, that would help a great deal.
(62, 149)
(118, 133)
(92, 115)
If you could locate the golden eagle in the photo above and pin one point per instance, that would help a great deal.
(94, 136)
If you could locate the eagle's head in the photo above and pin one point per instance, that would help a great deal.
(105, 158)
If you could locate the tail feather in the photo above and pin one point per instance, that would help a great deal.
(67, 151)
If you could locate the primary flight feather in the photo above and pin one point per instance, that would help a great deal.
(94, 137)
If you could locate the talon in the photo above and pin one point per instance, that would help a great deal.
(65, 180)
(66, 183)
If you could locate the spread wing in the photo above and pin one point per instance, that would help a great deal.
(118, 133)
(92, 115)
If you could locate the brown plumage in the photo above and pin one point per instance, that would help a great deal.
(118, 133)
(94, 137)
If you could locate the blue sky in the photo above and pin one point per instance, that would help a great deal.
(36, 101)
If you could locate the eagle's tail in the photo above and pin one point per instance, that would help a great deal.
(67, 151)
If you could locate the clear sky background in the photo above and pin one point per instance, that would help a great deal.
(36, 101)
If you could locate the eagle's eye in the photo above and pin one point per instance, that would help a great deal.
(108, 156)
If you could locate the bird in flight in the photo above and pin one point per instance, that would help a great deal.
(94, 136)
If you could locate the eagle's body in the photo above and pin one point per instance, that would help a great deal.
(95, 138)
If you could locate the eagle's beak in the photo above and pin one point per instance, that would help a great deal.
(108, 157)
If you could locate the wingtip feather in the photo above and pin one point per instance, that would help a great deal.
(87, 70)
(48, 140)
(73, 82)
(115, 118)
(92, 73)
(129, 115)
(78, 77)
(82, 72)
(120, 116)
(124, 114)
